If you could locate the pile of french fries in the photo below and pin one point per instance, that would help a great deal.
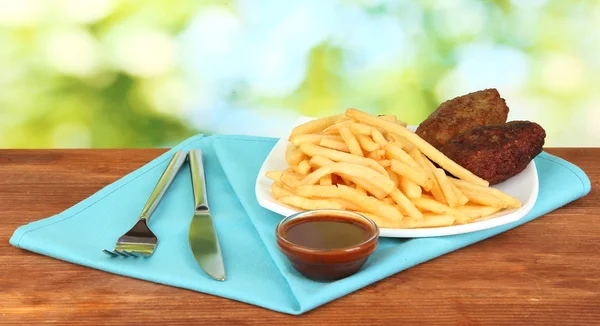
(375, 166)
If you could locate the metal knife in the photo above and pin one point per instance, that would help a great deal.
(203, 237)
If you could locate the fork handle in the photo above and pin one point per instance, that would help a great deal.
(198, 180)
(163, 184)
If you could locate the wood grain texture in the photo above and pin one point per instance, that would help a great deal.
(546, 272)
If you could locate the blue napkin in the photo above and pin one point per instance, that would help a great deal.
(257, 273)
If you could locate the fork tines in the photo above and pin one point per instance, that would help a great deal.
(121, 253)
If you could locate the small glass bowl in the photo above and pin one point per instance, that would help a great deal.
(328, 264)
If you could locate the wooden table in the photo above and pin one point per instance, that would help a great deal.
(544, 272)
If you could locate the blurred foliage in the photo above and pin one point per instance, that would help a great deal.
(108, 73)
(42, 105)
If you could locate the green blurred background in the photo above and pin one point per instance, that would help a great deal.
(149, 73)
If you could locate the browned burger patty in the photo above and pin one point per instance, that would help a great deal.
(463, 113)
(497, 152)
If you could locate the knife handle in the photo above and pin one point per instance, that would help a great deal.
(163, 184)
(198, 180)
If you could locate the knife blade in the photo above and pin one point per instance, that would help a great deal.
(204, 242)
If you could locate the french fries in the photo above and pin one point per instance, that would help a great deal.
(326, 181)
(477, 211)
(420, 143)
(278, 190)
(319, 161)
(367, 143)
(335, 144)
(373, 165)
(338, 156)
(378, 137)
(511, 201)
(410, 188)
(314, 126)
(350, 141)
(303, 167)
(446, 187)
(315, 139)
(293, 155)
(274, 175)
(406, 171)
(290, 178)
(309, 204)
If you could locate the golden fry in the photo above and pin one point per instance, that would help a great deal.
(437, 193)
(274, 175)
(401, 123)
(446, 186)
(326, 181)
(366, 203)
(334, 129)
(314, 126)
(319, 161)
(309, 204)
(303, 167)
(406, 205)
(420, 143)
(460, 197)
(416, 155)
(350, 140)
(348, 205)
(356, 128)
(424, 162)
(378, 137)
(351, 170)
(361, 189)
(401, 141)
(385, 163)
(359, 128)
(290, 179)
(477, 211)
(410, 188)
(463, 185)
(370, 204)
(312, 138)
(394, 151)
(381, 221)
(388, 200)
(377, 155)
(335, 144)
(367, 143)
(485, 199)
(310, 191)
(390, 118)
(346, 180)
(428, 221)
(338, 156)
(368, 185)
(278, 189)
(407, 172)
(434, 206)
(393, 176)
(293, 155)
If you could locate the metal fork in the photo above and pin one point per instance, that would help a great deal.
(140, 240)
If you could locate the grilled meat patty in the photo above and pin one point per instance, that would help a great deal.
(463, 113)
(497, 152)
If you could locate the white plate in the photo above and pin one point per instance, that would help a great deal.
(523, 186)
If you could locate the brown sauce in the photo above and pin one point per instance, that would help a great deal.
(327, 232)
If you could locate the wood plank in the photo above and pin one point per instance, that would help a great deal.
(545, 272)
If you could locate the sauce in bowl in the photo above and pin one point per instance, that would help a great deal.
(326, 232)
(327, 244)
